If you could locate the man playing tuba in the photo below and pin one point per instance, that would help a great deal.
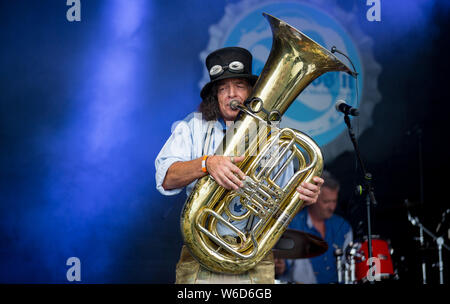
(189, 154)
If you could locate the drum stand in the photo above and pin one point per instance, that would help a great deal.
(338, 254)
(439, 242)
(345, 263)
(368, 189)
(352, 254)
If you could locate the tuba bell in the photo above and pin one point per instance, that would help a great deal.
(293, 63)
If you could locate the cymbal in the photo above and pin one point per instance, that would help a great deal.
(296, 244)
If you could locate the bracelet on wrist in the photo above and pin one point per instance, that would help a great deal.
(204, 168)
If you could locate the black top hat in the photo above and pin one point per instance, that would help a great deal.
(229, 62)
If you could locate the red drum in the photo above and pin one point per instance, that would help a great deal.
(382, 262)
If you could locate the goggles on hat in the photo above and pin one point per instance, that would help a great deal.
(234, 67)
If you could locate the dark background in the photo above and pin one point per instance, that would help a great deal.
(86, 107)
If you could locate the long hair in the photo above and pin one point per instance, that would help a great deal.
(209, 107)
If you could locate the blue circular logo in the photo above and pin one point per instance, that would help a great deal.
(313, 111)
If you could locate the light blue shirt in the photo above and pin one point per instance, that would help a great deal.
(187, 142)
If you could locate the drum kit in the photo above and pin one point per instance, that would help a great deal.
(353, 263)
(355, 267)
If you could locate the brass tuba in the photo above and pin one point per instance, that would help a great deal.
(294, 62)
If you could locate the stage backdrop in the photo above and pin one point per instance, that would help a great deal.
(91, 89)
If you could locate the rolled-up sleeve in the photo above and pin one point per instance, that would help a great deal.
(177, 148)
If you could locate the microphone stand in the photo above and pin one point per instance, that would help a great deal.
(418, 131)
(424, 265)
(368, 189)
(422, 245)
(419, 135)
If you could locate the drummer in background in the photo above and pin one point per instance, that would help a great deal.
(318, 219)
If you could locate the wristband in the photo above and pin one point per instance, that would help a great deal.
(204, 163)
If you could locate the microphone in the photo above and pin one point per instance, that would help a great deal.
(342, 106)
(234, 104)
(335, 50)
